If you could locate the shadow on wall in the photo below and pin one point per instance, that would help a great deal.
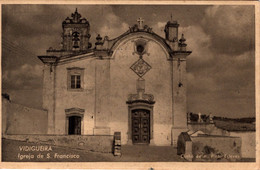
(18, 119)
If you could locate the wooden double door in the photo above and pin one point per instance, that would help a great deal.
(141, 126)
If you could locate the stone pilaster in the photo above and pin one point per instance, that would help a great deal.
(179, 87)
(102, 96)
(49, 95)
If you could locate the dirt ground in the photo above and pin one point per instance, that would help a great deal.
(11, 152)
(141, 153)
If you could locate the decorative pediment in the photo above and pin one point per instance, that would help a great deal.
(136, 28)
(143, 98)
(75, 68)
(140, 96)
(74, 110)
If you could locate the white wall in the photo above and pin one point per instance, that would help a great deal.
(248, 149)
(66, 99)
(157, 82)
(113, 90)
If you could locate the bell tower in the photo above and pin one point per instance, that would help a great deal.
(171, 30)
(75, 35)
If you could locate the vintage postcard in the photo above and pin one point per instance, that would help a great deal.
(142, 85)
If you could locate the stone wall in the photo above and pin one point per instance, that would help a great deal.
(216, 148)
(86, 142)
(18, 119)
(248, 137)
(207, 128)
(248, 149)
(209, 147)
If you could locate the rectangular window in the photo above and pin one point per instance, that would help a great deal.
(75, 78)
(75, 82)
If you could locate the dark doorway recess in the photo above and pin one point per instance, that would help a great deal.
(74, 125)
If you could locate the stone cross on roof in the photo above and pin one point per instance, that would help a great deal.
(76, 16)
(140, 22)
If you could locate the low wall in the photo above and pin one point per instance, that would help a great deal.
(248, 149)
(214, 148)
(208, 128)
(19, 119)
(100, 143)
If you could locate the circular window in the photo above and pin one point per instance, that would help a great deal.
(140, 48)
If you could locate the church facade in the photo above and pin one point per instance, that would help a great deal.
(134, 84)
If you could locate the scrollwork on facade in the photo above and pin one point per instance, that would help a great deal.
(74, 110)
(146, 98)
(135, 28)
(140, 67)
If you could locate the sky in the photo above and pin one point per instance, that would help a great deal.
(220, 70)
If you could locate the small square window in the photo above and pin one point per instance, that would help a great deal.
(75, 78)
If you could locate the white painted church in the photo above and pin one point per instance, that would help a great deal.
(134, 84)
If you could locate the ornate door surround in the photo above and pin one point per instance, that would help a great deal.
(139, 106)
(74, 114)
